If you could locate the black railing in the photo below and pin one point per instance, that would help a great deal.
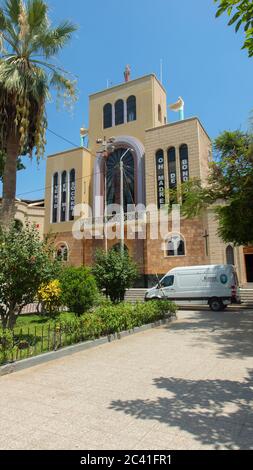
(22, 343)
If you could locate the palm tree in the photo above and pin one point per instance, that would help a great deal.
(28, 44)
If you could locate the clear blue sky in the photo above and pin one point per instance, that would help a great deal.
(202, 57)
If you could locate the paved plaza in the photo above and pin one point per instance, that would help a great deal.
(187, 385)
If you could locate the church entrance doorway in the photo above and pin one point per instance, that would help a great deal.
(249, 267)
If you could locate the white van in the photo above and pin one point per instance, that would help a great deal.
(213, 285)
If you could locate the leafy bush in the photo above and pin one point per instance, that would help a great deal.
(114, 272)
(79, 289)
(49, 295)
(111, 318)
(26, 262)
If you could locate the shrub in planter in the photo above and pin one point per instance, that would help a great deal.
(92, 326)
(116, 318)
(79, 289)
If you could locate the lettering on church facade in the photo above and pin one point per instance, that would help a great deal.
(55, 198)
(72, 194)
(160, 178)
(184, 163)
(172, 168)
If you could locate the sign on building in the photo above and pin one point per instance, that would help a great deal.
(160, 178)
(184, 163)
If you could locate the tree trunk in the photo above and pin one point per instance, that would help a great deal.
(9, 181)
(11, 320)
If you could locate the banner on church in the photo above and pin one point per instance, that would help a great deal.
(172, 168)
(184, 163)
(55, 198)
(160, 178)
(63, 196)
(72, 194)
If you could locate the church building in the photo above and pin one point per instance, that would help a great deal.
(128, 123)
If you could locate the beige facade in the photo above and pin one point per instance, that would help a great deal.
(33, 212)
(149, 94)
(81, 160)
(189, 132)
(135, 114)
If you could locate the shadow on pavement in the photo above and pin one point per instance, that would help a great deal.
(214, 412)
(232, 330)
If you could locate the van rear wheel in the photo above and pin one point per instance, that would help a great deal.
(216, 305)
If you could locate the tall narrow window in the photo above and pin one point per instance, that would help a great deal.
(184, 162)
(160, 178)
(172, 168)
(131, 109)
(72, 194)
(119, 112)
(55, 198)
(63, 196)
(230, 255)
(159, 113)
(107, 115)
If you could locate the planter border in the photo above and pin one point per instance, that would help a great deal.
(75, 348)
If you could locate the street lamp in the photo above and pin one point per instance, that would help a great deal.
(122, 213)
(107, 148)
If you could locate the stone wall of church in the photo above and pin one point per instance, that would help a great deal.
(156, 259)
(75, 247)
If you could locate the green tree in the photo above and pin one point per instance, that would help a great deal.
(79, 289)
(229, 190)
(26, 262)
(241, 14)
(115, 273)
(28, 44)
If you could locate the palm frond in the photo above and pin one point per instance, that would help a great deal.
(37, 14)
(12, 10)
(52, 41)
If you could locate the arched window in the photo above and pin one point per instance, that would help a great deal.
(113, 178)
(159, 113)
(55, 202)
(62, 252)
(64, 196)
(184, 162)
(172, 168)
(131, 109)
(119, 112)
(175, 245)
(160, 178)
(72, 194)
(107, 115)
(230, 257)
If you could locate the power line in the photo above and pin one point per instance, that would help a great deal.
(63, 138)
(78, 179)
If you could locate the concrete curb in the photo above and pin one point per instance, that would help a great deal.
(75, 348)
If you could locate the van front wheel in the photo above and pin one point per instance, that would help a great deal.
(216, 304)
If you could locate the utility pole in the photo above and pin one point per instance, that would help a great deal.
(122, 212)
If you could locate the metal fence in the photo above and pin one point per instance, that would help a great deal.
(32, 341)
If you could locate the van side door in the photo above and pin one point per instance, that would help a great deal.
(167, 286)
